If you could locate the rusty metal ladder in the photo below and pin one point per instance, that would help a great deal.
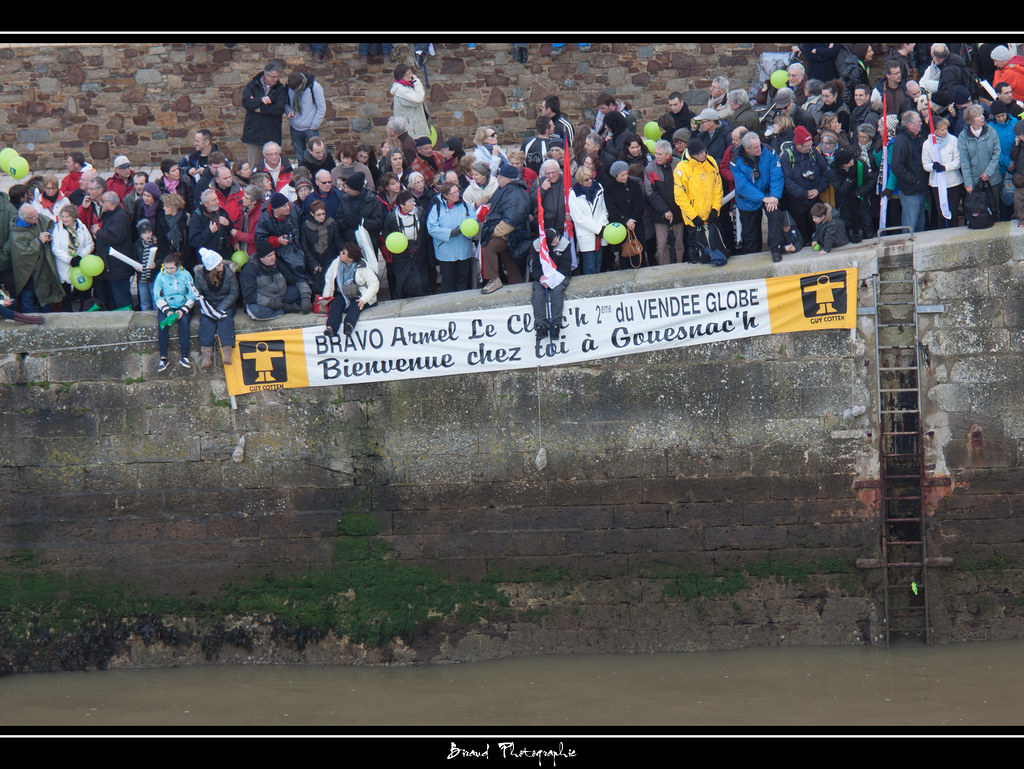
(904, 545)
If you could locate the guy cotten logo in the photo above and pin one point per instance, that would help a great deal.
(823, 295)
(264, 365)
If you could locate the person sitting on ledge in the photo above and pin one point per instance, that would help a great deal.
(355, 282)
(270, 288)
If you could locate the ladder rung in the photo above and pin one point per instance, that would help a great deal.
(898, 389)
(903, 564)
(900, 411)
(897, 368)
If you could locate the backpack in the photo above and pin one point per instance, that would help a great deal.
(976, 209)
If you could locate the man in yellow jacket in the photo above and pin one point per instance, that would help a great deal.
(698, 193)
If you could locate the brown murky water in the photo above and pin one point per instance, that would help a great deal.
(976, 685)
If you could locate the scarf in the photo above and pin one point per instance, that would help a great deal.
(297, 97)
(171, 185)
(590, 193)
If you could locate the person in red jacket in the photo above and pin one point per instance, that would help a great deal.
(1009, 69)
(122, 182)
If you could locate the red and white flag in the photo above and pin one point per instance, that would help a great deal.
(552, 277)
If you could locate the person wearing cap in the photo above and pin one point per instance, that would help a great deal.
(806, 173)
(505, 232)
(280, 228)
(218, 290)
(713, 132)
(785, 104)
(270, 287)
(428, 162)
(265, 101)
(306, 109)
(173, 295)
(121, 181)
(697, 188)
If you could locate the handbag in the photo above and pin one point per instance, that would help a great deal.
(633, 250)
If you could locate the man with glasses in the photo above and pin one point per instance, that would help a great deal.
(324, 191)
(265, 101)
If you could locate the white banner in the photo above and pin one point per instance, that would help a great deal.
(504, 337)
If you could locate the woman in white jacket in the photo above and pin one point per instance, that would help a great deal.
(409, 101)
(947, 150)
(357, 283)
(71, 239)
(589, 216)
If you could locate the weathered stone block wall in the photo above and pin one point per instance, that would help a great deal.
(145, 99)
(696, 461)
(973, 383)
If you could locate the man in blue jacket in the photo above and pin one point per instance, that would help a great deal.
(759, 182)
(806, 176)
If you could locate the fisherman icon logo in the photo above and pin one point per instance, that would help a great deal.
(824, 294)
(263, 363)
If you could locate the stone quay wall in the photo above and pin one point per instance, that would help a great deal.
(146, 99)
(666, 470)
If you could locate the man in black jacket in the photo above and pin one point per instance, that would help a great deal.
(114, 284)
(357, 205)
(908, 168)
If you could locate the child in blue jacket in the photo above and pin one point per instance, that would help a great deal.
(173, 295)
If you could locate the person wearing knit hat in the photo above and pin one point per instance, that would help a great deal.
(805, 171)
(1009, 69)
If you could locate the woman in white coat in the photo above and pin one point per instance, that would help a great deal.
(350, 276)
(71, 239)
(589, 217)
(944, 158)
(410, 101)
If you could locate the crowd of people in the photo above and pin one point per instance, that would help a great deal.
(820, 154)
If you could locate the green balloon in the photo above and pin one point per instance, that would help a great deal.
(615, 233)
(18, 167)
(779, 78)
(6, 156)
(433, 136)
(652, 131)
(650, 144)
(240, 258)
(91, 265)
(469, 227)
(80, 280)
(396, 242)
